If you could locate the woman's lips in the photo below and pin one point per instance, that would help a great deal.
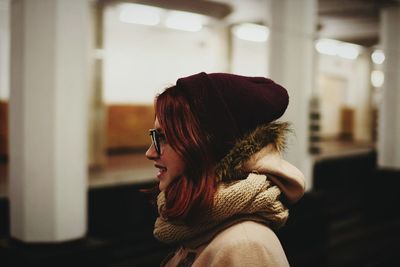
(161, 170)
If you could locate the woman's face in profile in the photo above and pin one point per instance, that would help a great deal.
(168, 162)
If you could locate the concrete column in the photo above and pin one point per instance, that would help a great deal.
(4, 49)
(360, 96)
(50, 55)
(389, 110)
(291, 63)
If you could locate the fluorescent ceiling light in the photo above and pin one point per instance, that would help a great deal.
(337, 48)
(184, 21)
(378, 57)
(327, 47)
(377, 78)
(349, 51)
(251, 32)
(140, 14)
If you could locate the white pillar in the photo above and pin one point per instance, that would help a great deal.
(4, 49)
(359, 97)
(389, 110)
(50, 53)
(291, 63)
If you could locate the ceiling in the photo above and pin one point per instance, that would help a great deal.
(354, 21)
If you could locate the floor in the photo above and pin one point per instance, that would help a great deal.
(121, 169)
(134, 167)
(333, 148)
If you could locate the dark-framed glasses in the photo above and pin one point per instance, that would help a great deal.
(156, 138)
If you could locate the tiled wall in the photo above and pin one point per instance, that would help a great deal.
(128, 125)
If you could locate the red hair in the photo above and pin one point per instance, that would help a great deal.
(193, 192)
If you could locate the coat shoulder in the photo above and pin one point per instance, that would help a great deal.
(247, 231)
(243, 244)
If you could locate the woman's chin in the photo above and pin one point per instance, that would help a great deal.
(161, 186)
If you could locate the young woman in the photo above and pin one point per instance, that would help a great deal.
(223, 183)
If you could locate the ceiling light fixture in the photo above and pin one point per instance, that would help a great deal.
(140, 14)
(184, 21)
(378, 57)
(337, 48)
(377, 78)
(251, 32)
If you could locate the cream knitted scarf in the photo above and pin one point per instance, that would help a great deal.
(254, 198)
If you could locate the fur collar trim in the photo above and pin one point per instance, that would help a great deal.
(260, 152)
(231, 167)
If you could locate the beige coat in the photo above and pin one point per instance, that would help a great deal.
(244, 244)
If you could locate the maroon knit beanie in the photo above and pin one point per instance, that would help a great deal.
(230, 106)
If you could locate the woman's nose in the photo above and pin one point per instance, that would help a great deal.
(151, 153)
